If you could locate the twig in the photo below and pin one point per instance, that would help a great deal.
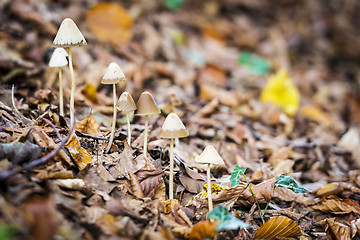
(6, 174)
(27, 120)
(54, 127)
(80, 134)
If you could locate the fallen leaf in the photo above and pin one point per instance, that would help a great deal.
(135, 186)
(88, 126)
(203, 230)
(149, 181)
(337, 206)
(74, 184)
(316, 114)
(19, 152)
(278, 227)
(329, 189)
(110, 22)
(127, 164)
(336, 229)
(282, 92)
(81, 157)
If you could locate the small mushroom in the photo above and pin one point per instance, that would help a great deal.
(69, 36)
(172, 128)
(209, 156)
(112, 76)
(146, 107)
(58, 60)
(126, 103)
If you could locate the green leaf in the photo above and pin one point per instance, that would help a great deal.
(226, 219)
(235, 175)
(288, 182)
(255, 64)
(174, 4)
(7, 232)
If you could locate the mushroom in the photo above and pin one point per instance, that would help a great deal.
(172, 128)
(58, 60)
(126, 103)
(69, 36)
(112, 76)
(209, 156)
(146, 107)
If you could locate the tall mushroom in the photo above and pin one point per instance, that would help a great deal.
(112, 76)
(172, 128)
(126, 103)
(209, 156)
(69, 36)
(146, 106)
(58, 60)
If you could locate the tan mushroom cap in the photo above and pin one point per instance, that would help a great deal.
(113, 74)
(173, 127)
(210, 156)
(58, 58)
(68, 35)
(126, 102)
(147, 105)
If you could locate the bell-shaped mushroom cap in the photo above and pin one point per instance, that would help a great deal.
(173, 127)
(58, 58)
(147, 105)
(68, 35)
(210, 156)
(113, 75)
(126, 102)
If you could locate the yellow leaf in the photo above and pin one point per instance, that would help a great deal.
(278, 227)
(314, 113)
(81, 157)
(204, 230)
(110, 22)
(281, 91)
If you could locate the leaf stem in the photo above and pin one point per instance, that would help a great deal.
(261, 215)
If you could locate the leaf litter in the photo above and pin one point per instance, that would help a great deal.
(272, 98)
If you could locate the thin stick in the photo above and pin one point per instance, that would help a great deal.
(146, 136)
(72, 98)
(15, 109)
(61, 93)
(171, 184)
(114, 121)
(128, 125)
(252, 193)
(209, 188)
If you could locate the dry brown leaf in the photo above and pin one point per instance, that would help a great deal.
(278, 227)
(88, 125)
(127, 164)
(81, 157)
(329, 189)
(336, 229)
(190, 184)
(279, 155)
(135, 186)
(316, 114)
(337, 206)
(203, 229)
(74, 184)
(149, 181)
(110, 22)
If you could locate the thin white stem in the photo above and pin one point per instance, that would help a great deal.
(209, 188)
(146, 136)
(61, 93)
(171, 184)
(114, 121)
(72, 98)
(128, 125)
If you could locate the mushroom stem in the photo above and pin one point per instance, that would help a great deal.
(72, 98)
(128, 125)
(171, 184)
(114, 121)
(146, 136)
(61, 93)
(209, 188)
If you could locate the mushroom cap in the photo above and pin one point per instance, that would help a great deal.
(126, 102)
(113, 74)
(210, 156)
(68, 35)
(173, 127)
(147, 105)
(58, 58)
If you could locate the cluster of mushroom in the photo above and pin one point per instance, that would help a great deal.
(69, 36)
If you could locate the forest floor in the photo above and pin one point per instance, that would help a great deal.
(272, 85)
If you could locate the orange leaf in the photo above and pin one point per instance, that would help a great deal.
(337, 206)
(203, 230)
(278, 227)
(81, 157)
(88, 126)
(110, 22)
(316, 114)
(337, 229)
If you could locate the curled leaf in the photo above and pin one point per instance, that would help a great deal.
(278, 227)
(88, 126)
(81, 157)
(203, 230)
(337, 206)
